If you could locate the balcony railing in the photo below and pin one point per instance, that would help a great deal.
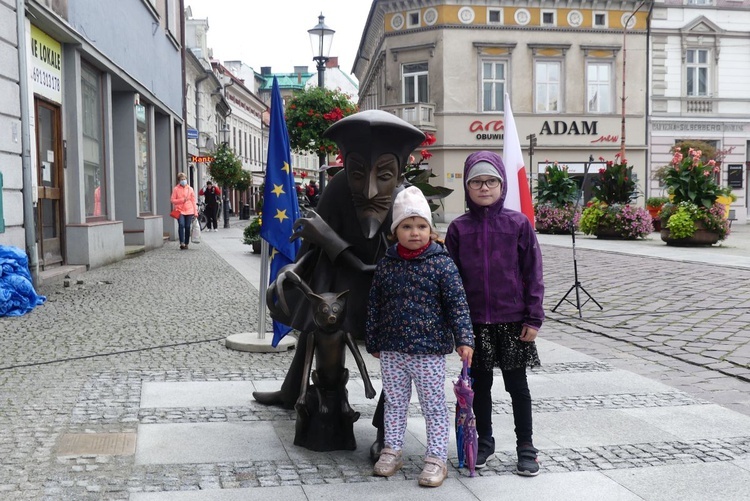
(420, 115)
(699, 105)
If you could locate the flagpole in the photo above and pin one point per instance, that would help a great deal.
(280, 210)
(263, 289)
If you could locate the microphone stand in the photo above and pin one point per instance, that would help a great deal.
(577, 284)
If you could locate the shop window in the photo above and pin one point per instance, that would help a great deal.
(95, 183)
(547, 81)
(599, 87)
(494, 77)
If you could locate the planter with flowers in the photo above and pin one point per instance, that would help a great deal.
(555, 211)
(609, 214)
(653, 206)
(694, 215)
(251, 234)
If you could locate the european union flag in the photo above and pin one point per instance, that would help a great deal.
(280, 207)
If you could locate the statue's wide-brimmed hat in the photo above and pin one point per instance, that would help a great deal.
(373, 133)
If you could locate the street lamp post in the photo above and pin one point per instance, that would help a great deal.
(321, 38)
(225, 196)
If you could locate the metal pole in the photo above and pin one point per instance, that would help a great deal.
(321, 156)
(263, 289)
(624, 53)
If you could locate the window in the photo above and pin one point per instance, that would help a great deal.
(143, 165)
(548, 18)
(600, 19)
(412, 19)
(547, 83)
(700, 2)
(415, 83)
(93, 148)
(599, 95)
(696, 65)
(494, 16)
(493, 85)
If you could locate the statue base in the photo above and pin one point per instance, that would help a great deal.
(326, 427)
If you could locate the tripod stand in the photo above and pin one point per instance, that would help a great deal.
(577, 284)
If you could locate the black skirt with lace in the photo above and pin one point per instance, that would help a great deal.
(498, 346)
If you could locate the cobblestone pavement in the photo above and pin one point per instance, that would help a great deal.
(78, 363)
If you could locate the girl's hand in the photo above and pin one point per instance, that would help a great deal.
(376, 354)
(528, 334)
(465, 352)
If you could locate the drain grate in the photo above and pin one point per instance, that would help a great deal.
(104, 444)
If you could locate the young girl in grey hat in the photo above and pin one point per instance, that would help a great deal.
(498, 256)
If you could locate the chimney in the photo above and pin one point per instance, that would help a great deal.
(265, 70)
(333, 62)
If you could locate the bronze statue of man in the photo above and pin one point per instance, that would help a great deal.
(344, 240)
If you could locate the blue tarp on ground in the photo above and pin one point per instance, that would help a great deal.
(17, 295)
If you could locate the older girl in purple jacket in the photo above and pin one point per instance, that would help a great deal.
(498, 257)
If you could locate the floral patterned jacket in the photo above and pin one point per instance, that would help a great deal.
(417, 306)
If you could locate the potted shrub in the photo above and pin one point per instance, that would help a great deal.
(653, 206)
(251, 234)
(554, 210)
(609, 214)
(694, 216)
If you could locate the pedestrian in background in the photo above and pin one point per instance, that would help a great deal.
(499, 259)
(183, 199)
(417, 313)
(211, 196)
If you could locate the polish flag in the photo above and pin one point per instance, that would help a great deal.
(518, 197)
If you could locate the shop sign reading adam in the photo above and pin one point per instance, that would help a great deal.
(46, 65)
(494, 129)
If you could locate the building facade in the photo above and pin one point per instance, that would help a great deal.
(700, 61)
(445, 67)
(244, 127)
(104, 123)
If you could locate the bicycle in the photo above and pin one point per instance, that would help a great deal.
(202, 219)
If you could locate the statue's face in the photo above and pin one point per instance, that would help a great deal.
(372, 188)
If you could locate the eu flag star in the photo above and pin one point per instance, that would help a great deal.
(281, 215)
(285, 168)
(278, 190)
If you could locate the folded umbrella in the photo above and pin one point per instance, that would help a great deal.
(466, 425)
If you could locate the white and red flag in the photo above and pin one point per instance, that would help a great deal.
(518, 197)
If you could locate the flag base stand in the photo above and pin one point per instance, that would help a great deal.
(252, 342)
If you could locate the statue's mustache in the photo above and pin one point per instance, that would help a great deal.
(380, 202)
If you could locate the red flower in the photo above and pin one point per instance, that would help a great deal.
(426, 155)
(300, 124)
(429, 140)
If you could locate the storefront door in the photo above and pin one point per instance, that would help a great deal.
(49, 182)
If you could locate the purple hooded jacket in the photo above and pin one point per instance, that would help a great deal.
(498, 256)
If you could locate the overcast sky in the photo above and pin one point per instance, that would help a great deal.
(274, 33)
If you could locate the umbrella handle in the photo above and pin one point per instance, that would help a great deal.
(465, 370)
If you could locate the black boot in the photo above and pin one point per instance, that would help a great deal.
(485, 451)
(377, 445)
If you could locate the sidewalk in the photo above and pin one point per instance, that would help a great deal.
(120, 388)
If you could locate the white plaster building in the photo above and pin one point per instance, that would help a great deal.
(444, 66)
(700, 65)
